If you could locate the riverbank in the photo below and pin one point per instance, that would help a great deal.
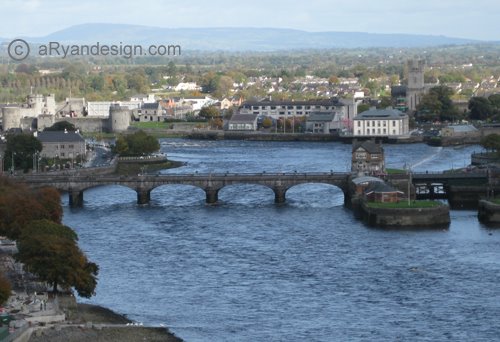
(96, 323)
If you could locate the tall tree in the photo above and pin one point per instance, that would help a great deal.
(49, 250)
(480, 108)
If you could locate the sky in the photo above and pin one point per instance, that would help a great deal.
(477, 19)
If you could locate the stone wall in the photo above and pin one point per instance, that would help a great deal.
(488, 212)
(401, 218)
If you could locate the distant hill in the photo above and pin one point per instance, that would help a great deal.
(240, 39)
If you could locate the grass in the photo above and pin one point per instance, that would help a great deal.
(404, 204)
(494, 200)
(137, 168)
(151, 125)
(395, 171)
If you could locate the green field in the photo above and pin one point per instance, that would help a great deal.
(151, 124)
(404, 204)
(395, 171)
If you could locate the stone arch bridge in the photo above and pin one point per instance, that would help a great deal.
(212, 183)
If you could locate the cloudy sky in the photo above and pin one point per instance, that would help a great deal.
(477, 19)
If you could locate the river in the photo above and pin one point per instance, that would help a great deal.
(249, 270)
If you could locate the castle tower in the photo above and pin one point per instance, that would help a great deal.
(416, 88)
(119, 118)
(11, 117)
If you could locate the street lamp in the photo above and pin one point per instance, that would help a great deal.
(409, 183)
(1, 164)
(12, 168)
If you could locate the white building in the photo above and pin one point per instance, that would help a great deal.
(381, 123)
(187, 86)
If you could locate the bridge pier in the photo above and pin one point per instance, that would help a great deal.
(75, 198)
(143, 196)
(279, 195)
(212, 196)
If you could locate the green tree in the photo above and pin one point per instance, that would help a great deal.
(480, 108)
(49, 250)
(491, 142)
(209, 112)
(363, 107)
(20, 149)
(136, 144)
(438, 102)
(61, 126)
(385, 102)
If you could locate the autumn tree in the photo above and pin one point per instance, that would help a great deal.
(49, 250)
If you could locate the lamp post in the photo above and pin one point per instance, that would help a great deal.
(12, 168)
(409, 184)
(1, 164)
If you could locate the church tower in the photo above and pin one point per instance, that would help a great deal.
(416, 88)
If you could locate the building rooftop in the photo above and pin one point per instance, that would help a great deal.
(320, 102)
(462, 128)
(387, 113)
(59, 136)
(368, 145)
(243, 118)
(321, 116)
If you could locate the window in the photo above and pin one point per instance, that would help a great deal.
(359, 123)
(384, 123)
(62, 154)
(393, 131)
(368, 124)
(385, 131)
(62, 146)
(373, 123)
(378, 123)
(393, 123)
(359, 132)
(378, 130)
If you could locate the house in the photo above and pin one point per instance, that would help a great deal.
(460, 131)
(243, 122)
(387, 122)
(367, 158)
(362, 183)
(150, 112)
(382, 193)
(61, 144)
(143, 98)
(322, 122)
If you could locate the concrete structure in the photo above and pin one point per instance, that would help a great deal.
(72, 107)
(367, 158)
(75, 185)
(243, 122)
(59, 144)
(381, 123)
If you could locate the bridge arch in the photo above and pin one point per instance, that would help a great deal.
(243, 192)
(76, 194)
(175, 194)
(316, 194)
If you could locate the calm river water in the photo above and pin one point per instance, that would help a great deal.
(248, 270)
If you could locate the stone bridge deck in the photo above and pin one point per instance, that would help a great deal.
(211, 183)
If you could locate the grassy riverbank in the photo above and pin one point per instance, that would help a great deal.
(129, 169)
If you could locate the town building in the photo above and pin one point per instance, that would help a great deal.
(322, 122)
(383, 193)
(387, 122)
(460, 131)
(61, 144)
(151, 112)
(346, 109)
(243, 122)
(367, 158)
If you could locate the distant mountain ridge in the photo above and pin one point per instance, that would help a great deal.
(239, 39)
